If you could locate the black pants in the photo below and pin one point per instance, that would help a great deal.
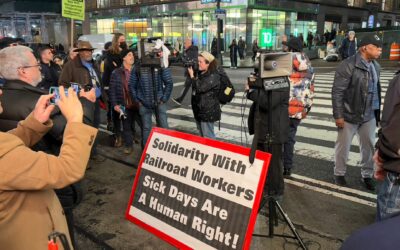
(128, 126)
(185, 89)
(274, 185)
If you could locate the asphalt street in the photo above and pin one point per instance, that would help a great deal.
(323, 213)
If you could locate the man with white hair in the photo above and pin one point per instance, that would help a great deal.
(22, 73)
(349, 45)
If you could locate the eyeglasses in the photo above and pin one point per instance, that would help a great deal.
(37, 65)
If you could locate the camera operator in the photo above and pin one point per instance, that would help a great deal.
(189, 60)
(271, 137)
(205, 103)
(151, 87)
(20, 97)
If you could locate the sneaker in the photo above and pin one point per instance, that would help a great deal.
(287, 172)
(176, 101)
(369, 183)
(128, 150)
(340, 181)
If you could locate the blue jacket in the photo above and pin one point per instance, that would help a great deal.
(141, 85)
(116, 93)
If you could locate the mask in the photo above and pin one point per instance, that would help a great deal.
(123, 45)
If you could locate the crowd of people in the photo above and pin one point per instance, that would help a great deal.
(50, 136)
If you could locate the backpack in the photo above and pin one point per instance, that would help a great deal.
(226, 90)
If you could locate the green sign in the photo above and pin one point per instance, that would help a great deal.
(74, 9)
(266, 38)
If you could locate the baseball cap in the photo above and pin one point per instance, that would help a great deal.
(371, 39)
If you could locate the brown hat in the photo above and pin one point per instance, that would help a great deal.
(83, 45)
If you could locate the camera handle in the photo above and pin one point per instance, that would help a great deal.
(154, 71)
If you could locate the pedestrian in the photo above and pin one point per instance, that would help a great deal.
(29, 206)
(300, 99)
(356, 106)
(178, 46)
(349, 45)
(310, 38)
(152, 96)
(189, 59)
(205, 103)
(327, 36)
(214, 47)
(241, 47)
(233, 51)
(83, 70)
(387, 155)
(50, 70)
(113, 60)
(121, 100)
(255, 49)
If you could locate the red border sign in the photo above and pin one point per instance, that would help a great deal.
(150, 180)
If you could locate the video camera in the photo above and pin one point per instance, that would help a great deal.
(149, 56)
(272, 71)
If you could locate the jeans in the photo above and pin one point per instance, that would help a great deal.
(146, 114)
(388, 200)
(206, 129)
(288, 147)
(366, 138)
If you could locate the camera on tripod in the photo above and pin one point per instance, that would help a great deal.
(272, 71)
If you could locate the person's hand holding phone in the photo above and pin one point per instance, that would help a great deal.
(43, 109)
(90, 95)
(70, 105)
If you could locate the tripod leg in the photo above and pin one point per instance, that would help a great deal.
(290, 224)
(272, 215)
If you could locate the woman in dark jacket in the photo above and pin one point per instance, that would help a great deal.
(112, 61)
(233, 48)
(205, 103)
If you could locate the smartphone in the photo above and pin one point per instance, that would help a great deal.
(56, 92)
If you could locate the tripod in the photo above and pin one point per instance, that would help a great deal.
(270, 138)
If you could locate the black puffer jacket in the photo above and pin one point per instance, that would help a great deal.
(205, 102)
(350, 90)
(111, 62)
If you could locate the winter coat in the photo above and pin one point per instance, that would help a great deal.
(141, 85)
(350, 90)
(50, 73)
(111, 62)
(279, 115)
(205, 103)
(389, 133)
(301, 86)
(191, 53)
(233, 50)
(29, 208)
(116, 87)
(74, 71)
(348, 48)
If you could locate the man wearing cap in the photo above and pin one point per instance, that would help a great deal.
(83, 70)
(49, 69)
(356, 108)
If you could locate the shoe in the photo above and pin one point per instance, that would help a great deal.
(287, 172)
(128, 150)
(176, 101)
(118, 142)
(97, 158)
(369, 183)
(340, 180)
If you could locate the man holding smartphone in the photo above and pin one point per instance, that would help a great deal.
(20, 95)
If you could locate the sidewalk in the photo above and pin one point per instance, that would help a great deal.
(322, 221)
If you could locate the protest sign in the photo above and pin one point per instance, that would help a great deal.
(74, 9)
(197, 193)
